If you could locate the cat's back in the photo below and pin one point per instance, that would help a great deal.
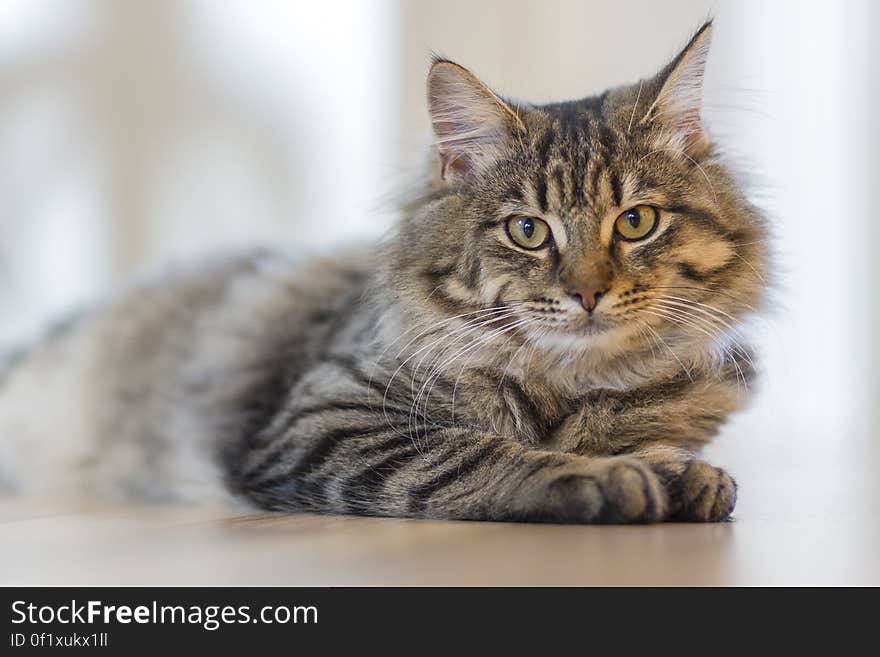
(116, 397)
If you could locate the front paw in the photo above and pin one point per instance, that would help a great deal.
(632, 492)
(611, 490)
(697, 491)
(702, 493)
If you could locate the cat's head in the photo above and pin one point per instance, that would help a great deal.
(596, 226)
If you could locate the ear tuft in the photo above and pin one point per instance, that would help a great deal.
(678, 104)
(471, 123)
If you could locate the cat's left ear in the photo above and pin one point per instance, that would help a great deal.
(472, 123)
(678, 104)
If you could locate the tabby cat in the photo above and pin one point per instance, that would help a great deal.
(550, 334)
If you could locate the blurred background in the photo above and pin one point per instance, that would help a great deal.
(134, 134)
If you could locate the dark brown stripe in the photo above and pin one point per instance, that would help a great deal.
(420, 495)
(543, 147)
(541, 194)
(616, 189)
(562, 189)
(595, 172)
(320, 450)
(656, 247)
(371, 479)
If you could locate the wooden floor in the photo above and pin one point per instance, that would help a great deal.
(813, 519)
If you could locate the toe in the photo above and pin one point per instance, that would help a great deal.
(633, 493)
(703, 493)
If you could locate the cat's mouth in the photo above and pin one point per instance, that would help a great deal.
(586, 327)
(589, 324)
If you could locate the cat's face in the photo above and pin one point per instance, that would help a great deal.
(606, 223)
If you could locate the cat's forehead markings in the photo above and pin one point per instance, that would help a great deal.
(557, 226)
(629, 186)
(606, 228)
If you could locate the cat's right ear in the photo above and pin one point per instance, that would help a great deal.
(678, 104)
(471, 122)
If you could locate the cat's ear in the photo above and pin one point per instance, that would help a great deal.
(471, 122)
(678, 103)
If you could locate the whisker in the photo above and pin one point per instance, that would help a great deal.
(708, 290)
(707, 318)
(750, 266)
(635, 107)
(430, 345)
(702, 305)
(676, 317)
(438, 371)
(669, 349)
(426, 331)
(457, 334)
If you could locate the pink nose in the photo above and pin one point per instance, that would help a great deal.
(588, 297)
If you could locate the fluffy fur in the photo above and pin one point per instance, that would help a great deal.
(448, 373)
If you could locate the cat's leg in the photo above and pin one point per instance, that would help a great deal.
(696, 491)
(458, 474)
(666, 430)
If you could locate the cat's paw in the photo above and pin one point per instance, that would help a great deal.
(613, 490)
(632, 491)
(697, 491)
(702, 493)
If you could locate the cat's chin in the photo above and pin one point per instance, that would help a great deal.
(589, 326)
(586, 337)
(591, 329)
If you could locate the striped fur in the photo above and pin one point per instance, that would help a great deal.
(449, 372)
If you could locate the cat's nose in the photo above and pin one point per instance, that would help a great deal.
(587, 296)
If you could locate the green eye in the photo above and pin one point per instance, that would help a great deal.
(636, 223)
(528, 232)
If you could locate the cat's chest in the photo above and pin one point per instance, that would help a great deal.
(511, 407)
(545, 417)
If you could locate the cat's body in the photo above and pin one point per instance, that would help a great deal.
(460, 370)
(142, 396)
